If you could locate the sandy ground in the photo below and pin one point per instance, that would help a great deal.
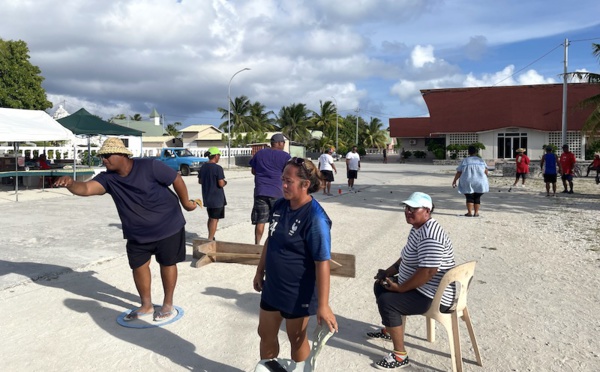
(64, 280)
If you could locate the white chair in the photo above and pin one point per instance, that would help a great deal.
(320, 337)
(461, 275)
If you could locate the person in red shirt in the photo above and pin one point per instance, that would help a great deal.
(522, 162)
(567, 163)
(594, 166)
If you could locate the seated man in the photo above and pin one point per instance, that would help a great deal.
(595, 165)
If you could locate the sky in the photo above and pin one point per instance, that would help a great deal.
(181, 56)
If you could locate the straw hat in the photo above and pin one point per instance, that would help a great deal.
(113, 145)
(521, 150)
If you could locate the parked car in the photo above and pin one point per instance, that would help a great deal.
(181, 159)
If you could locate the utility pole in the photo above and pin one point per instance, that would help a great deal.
(337, 130)
(564, 102)
(357, 111)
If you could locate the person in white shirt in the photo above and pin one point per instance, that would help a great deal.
(353, 166)
(327, 168)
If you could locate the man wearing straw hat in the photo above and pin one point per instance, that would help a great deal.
(522, 168)
(152, 221)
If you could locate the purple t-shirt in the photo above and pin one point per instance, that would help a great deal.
(268, 167)
(148, 209)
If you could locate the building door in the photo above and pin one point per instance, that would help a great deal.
(508, 143)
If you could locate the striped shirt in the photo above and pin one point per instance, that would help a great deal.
(428, 246)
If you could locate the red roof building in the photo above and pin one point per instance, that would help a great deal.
(502, 118)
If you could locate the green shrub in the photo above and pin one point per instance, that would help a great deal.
(406, 154)
(420, 154)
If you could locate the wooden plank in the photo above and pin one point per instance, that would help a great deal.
(206, 251)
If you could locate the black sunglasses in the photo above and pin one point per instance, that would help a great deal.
(106, 156)
(300, 162)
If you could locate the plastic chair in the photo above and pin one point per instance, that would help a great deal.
(320, 337)
(462, 276)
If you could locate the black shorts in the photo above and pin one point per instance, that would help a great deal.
(168, 251)
(474, 198)
(567, 177)
(352, 174)
(327, 175)
(550, 178)
(216, 213)
(261, 209)
(521, 175)
(266, 307)
(393, 305)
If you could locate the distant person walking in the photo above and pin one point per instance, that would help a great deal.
(522, 167)
(548, 164)
(384, 155)
(212, 179)
(327, 168)
(595, 165)
(471, 175)
(567, 164)
(150, 215)
(267, 168)
(352, 167)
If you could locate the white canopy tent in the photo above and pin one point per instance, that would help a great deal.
(18, 125)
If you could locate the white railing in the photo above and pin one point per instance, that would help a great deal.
(66, 152)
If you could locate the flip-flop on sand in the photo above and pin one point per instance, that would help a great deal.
(159, 316)
(135, 314)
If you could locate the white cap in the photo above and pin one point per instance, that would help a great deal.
(419, 200)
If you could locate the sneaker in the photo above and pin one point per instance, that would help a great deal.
(565, 192)
(570, 192)
(392, 361)
(382, 333)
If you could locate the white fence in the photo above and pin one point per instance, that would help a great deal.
(67, 152)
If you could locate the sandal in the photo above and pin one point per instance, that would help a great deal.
(382, 333)
(468, 215)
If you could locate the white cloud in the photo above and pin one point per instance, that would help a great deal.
(422, 55)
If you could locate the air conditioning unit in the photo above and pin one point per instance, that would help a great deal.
(412, 142)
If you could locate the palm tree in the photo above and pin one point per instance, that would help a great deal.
(372, 135)
(118, 117)
(294, 122)
(325, 119)
(171, 129)
(260, 120)
(592, 123)
(240, 109)
(136, 117)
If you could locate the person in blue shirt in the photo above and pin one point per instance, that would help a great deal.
(471, 175)
(549, 163)
(151, 217)
(293, 272)
(212, 179)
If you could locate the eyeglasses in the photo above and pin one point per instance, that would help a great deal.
(106, 156)
(408, 208)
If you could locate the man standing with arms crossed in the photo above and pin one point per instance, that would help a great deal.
(352, 167)
(567, 163)
(150, 215)
(267, 168)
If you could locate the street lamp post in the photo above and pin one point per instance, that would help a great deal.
(229, 118)
(337, 131)
(357, 111)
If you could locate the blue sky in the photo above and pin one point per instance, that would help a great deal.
(129, 56)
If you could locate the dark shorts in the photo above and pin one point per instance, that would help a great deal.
(550, 178)
(567, 177)
(266, 307)
(261, 209)
(393, 305)
(521, 175)
(167, 251)
(474, 198)
(352, 174)
(216, 213)
(327, 175)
